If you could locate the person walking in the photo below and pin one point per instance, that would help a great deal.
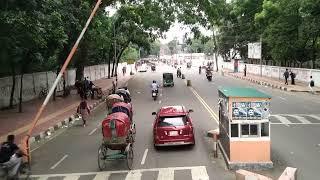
(292, 75)
(245, 70)
(84, 110)
(311, 84)
(286, 76)
(199, 69)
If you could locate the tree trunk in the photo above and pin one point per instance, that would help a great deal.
(55, 89)
(13, 85)
(109, 68)
(216, 48)
(20, 96)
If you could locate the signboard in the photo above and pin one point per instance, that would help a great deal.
(250, 110)
(254, 50)
(130, 61)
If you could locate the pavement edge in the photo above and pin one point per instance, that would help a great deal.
(70, 120)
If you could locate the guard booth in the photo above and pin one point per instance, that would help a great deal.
(245, 128)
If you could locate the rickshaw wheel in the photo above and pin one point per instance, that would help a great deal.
(129, 155)
(102, 155)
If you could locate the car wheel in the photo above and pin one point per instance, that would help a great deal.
(156, 147)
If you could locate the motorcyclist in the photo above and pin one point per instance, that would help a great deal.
(10, 156)
(154, 86)
(208, 71)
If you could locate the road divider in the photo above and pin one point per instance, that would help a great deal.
(208, 108)
(55, 165)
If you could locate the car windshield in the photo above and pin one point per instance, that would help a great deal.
(172, 121)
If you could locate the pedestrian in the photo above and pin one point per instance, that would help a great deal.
(286, 76)
(292, 75)
(84, 110)
(113, 87)
(85, 87)
(199, 69)
(245, 70)
(11, 156)
(123, 70)
(311, 84)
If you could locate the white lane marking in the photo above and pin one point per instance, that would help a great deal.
(63, 158)
(166, 174)
(144, 156)
(160, 95)
(94, 130)
(199, 173)
(301, 119)
(314, 117)
(282, 119)
(282, 98)
(72, 177)
(160, 102)
(104, 175)
(43, 178)
(117, 172)
(295, 124)
(134, 175)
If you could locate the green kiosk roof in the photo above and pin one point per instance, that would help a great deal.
(242, 92)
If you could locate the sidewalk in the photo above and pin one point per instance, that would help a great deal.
(56, 113)
(274, 83)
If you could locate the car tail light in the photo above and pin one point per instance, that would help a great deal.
(190, 131)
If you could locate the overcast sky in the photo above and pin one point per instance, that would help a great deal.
(178, 30)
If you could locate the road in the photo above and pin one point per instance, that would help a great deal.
(72, 154)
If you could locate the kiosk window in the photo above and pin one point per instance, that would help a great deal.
(253, 129)
(264, 129)
(234, 130)
(245, 129)
(249, 130)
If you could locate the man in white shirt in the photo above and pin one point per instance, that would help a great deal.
(154, 86)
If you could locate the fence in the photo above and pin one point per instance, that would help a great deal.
(35, 82)
(277, 72)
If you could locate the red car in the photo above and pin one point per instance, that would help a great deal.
(173, 126)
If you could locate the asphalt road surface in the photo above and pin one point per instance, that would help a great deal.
(72, 153)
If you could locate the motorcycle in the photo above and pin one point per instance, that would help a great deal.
(209, 76)
(153, 68)
(24, 169)
(154, 94)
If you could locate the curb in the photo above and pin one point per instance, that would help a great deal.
(267, 84)
(67, 121)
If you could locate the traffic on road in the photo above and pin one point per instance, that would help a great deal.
(137, 136)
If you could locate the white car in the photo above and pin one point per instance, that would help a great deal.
(143, 68)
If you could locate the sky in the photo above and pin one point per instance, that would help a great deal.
(178, 30)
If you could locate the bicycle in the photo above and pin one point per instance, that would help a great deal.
(43, 92)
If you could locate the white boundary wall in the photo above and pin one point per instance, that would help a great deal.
(277, 72)
(33, 83)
